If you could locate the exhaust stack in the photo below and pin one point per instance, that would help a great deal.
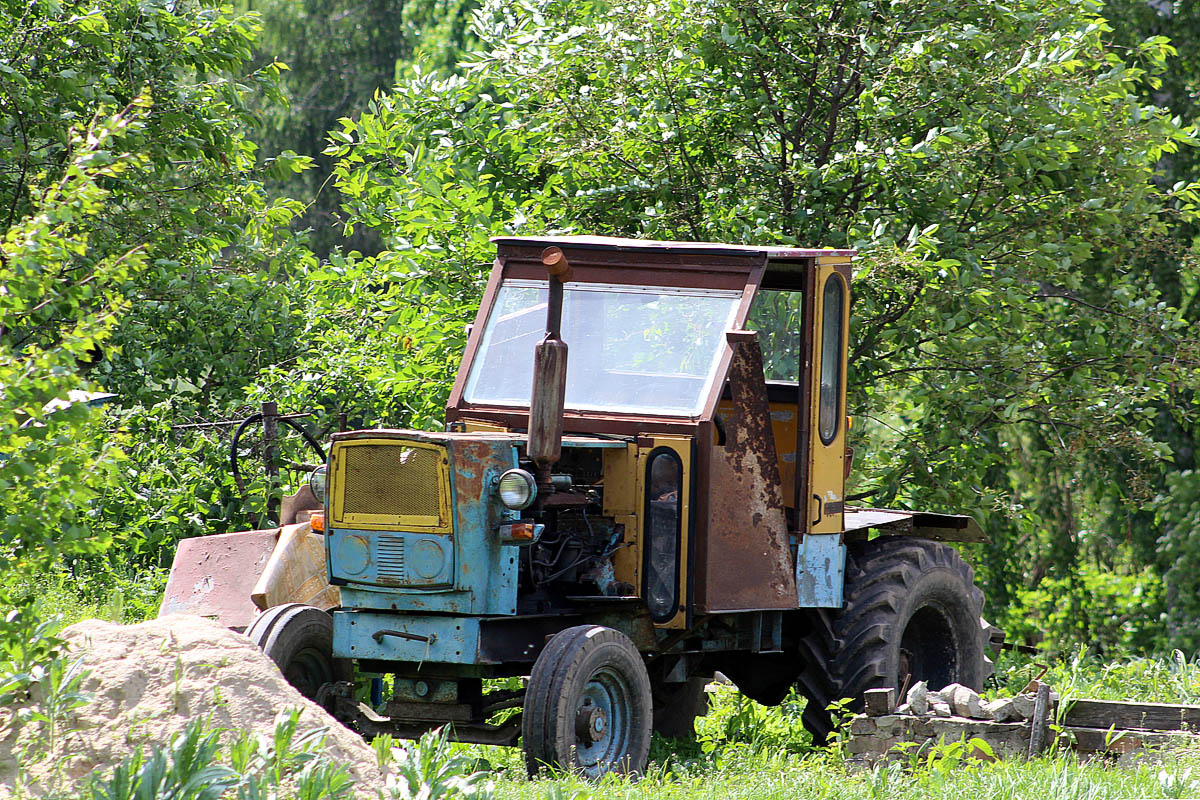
(549, 395)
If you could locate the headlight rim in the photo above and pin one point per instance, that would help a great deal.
(529, 482)
(323, 483)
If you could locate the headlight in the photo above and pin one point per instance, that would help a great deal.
(316, 482)
(517, 489)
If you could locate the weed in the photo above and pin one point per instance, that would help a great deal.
(429, 769)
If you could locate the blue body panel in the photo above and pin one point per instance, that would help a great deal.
(468, 571)
(442, 639)
(388, 558)
(820, 571)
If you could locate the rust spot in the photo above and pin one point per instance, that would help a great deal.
(749, 563)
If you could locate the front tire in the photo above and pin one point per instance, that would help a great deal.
(588, 706)
(299, 639)
(911, 613)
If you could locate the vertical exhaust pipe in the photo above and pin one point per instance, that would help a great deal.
(549, 395)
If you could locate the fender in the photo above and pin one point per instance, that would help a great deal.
(922, 524)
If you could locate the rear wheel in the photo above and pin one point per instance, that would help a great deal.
(588, 705)
(911, 613)
(299, 639)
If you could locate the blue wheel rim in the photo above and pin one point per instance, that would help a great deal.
(609, 693)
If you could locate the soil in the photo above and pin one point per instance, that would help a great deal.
(147, 682)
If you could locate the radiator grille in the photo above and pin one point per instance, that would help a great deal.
(390, 559)
(392, 484)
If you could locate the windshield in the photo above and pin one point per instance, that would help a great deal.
(633, 349)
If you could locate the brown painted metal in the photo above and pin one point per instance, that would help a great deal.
(638, 275)
(214, 576)
(748, 564)
(474, 339)
(753, 281)
(614, 244)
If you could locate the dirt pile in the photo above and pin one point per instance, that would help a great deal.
(147, 682)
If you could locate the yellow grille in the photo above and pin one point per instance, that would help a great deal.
(389, 485)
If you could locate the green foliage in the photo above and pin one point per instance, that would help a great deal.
(1179, 515)
(340, 53)
(49, 482)
(1126, 615)
(735, 721)
(996, 165)
(1167, 679)
(429, 769)
(259, 767)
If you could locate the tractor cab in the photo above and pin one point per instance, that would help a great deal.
(723, 369)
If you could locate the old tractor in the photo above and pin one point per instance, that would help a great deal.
(615, 530)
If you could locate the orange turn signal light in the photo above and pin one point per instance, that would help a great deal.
(317, 520)
(522, 531)
(519, 533)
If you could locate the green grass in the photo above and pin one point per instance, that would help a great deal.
(744, 750)
(90, 591)
(764, 776)
(1162, 679)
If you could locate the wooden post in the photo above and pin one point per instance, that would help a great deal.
(879, 702)
(1040, 720)
(270, 415)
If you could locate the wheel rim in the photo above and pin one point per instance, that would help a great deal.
(929, 648)
(308, 671)
(603, 722)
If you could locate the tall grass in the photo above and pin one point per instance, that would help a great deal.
(1163, 679)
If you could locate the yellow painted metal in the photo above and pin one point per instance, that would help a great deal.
(682, 445)
(621, 502)
(473, 426)
(826, 462)
(296, 572)
(390, 484)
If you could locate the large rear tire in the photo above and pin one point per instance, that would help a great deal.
(587, 705)
(299, 639)
(911, 613)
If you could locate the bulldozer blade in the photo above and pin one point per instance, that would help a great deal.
(214, 576)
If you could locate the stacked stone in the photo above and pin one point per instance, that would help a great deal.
(957, 700)
(952, 713)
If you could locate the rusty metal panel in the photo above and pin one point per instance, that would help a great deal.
(214, 576)
(748, 564)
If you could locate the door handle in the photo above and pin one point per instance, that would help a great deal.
(820, 507)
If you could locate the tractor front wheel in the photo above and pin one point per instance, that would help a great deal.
(911, 613)
(299, 639)
(588, 705)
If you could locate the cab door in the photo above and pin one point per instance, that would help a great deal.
(825, 483)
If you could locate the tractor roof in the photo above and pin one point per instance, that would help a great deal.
(690, 248)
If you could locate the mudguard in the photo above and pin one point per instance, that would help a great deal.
(922, 524)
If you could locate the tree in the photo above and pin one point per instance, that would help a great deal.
(131, 200)
(340, 53)
(996, 164)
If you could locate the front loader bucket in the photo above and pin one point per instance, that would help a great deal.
(214, 576)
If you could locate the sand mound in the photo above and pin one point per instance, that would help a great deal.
(148, 681)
